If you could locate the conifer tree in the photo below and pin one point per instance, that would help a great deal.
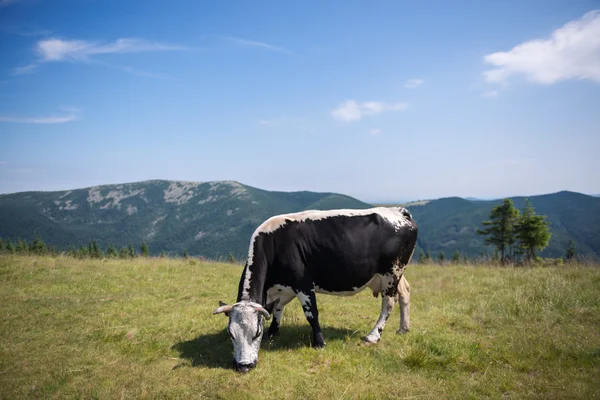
(570, 253)
(442, 257)
(532, 231)
(9, 246)
(1, 244)
(500, 229)
(124, 252)
(421, 257)
(456, 257)
(144, 249)
(111, 251)
(21, 246)
(37, 246)
(131, 251)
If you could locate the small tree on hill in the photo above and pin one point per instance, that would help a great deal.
(185, 254)
(9, 246)
(231, 258)
(111, 251)
(144, 249)
(456, 257)
(124, 252)
(97, 251)
(162, 254)
(500, 229)
(532, 231)
(131, 251)
(1, 244)
(570, 253)
(421, 257)
(442, 257)
(37, 246)
(21, 246)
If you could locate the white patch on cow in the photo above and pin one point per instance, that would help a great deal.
(394, 215)
(306, 304)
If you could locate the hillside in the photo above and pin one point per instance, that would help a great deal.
(209, 219)
(213, 219)
(450, 224)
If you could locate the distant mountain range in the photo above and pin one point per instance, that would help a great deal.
(210, 219)
(450, 224)
(214, 219)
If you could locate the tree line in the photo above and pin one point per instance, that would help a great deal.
(38, 247)
(517, 236)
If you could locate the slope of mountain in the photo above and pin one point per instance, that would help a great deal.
(210, 219)
(450, 224)
(215, 218)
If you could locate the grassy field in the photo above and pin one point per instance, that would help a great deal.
(144, 329)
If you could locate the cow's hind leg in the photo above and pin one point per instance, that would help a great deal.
(308, 300)
(389, 284)
(404, 300)
(285, 295)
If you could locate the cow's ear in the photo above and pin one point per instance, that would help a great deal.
(223, 308)
(271, 306)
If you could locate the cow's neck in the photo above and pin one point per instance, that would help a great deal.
(252, 283)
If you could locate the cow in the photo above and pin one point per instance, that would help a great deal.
(336, 252)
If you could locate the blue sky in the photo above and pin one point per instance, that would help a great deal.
(384, 101)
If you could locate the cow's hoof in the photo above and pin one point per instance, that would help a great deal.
(318, 341)
(370, 339)
(402, 331)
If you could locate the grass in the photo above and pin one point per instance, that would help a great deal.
(143, 329)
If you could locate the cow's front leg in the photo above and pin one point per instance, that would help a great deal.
(404, 300)
(389, 284)
(308, 300)
(284, 299)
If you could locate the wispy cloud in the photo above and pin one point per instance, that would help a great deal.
(413, 83)
(350, 110)
(490, 93)
(571, 52)
(263, 45)
(374, 131)
(70, 114)
(59, 50)
(39, 120)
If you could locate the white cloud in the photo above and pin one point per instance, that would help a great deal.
(571, 52)
(55, 50)
(491, 93)
(71, 114)
(350, 110)
(252, 43)
(374, 131)
(413, 83)
(40, 120)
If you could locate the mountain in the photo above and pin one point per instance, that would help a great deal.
(450, 224)
(210, 219)
(215, 218)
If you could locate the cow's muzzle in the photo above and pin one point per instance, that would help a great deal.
(243, 368)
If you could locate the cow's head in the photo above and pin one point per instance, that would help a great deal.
(246, 320)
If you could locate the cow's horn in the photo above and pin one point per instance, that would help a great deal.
(224, 308)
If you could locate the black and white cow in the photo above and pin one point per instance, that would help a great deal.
(337, 252)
